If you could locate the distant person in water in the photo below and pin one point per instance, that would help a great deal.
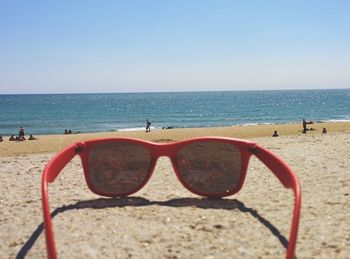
(324, 131)
(31, 137)
(148, 125)
(69, 131)
(275, 134)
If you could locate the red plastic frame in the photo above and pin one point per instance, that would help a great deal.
(280, 169)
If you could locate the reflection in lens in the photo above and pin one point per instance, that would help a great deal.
(118, 168)
(210, 167)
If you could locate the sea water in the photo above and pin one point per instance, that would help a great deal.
(53, 113)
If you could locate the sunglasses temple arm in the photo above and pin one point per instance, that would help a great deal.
(52, 170)
(289, 180)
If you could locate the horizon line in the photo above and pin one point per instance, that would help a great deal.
(189, 91)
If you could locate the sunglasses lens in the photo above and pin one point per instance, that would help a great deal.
(118, 168)
(210, 168)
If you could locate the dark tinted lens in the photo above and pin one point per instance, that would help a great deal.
(118, 167)
(210, 167)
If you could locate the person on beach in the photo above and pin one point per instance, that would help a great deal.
(1, 139)
(148, 126)
(304, 125)
(21, 134)
(324, 131)
(275, 134)
(31, 137)
(12, 138)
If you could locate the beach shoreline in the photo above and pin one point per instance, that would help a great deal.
(54, 143)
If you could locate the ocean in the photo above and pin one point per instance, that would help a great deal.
(53, 113)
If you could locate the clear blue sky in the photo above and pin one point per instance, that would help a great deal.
(184, 45)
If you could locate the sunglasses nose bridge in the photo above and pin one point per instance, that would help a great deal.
(164, 149)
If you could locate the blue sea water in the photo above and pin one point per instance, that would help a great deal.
(52, 113)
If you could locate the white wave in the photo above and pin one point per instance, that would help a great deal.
(343, 120)
(135, 129)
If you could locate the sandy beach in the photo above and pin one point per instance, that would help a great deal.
(55, 143)
(164, 220)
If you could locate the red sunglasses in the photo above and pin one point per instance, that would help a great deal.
(211, 166)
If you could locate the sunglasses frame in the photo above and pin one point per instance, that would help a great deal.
(157, 150)
(247, 148)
